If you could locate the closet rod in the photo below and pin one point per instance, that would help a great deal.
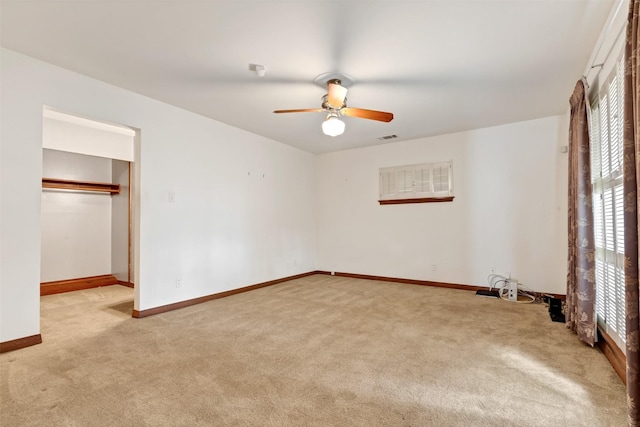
(66, 184)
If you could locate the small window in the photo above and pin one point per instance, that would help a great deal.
(429, 182)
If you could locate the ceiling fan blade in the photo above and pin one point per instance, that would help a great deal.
(337, 94)
(361, 113)
(304, 110)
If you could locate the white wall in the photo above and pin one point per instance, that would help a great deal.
(509, 211)
(226, 229)
(120, 221)
(82, 138)
(75, 226)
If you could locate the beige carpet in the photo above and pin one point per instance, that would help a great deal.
(318, 351)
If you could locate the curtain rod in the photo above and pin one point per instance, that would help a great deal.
(602, 39)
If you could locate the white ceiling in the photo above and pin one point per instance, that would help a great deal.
(439, 66)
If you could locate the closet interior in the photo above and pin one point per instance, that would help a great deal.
(86, 205)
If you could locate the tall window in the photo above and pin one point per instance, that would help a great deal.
(608, 203)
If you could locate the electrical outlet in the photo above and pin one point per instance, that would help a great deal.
(333, 273)
(178, 283)
(434, 267)
(513, 290)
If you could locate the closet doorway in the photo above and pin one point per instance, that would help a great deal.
(86, 212)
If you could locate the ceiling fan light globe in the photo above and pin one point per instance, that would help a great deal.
(333, 126)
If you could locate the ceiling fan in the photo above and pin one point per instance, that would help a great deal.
(334, 103)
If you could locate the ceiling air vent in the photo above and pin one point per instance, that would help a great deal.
(384, 138)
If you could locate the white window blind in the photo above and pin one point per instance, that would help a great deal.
(424, 181)
(606, 130)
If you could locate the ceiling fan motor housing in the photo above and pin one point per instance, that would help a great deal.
(344, 79)
(335, 102)
(328, 107)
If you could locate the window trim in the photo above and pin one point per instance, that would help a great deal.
(416, 200)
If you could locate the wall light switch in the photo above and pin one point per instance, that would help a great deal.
(172, 197)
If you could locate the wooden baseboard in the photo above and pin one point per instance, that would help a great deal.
(194, 301)
(613, 353)
(60, 286)
(407, 281)
(127, 284)
(19, 343)
(473, 288)
(175, 306)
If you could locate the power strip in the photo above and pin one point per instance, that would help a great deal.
(512, 287)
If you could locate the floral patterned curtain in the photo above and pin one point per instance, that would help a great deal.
(631, 141)
(580, 310)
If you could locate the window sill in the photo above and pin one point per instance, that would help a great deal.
(423, 200)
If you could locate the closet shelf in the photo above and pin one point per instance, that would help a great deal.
(65, 184)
